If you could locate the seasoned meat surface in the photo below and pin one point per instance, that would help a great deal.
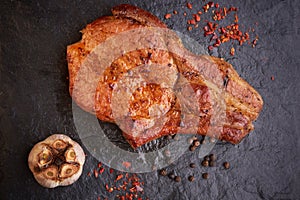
(179, 94)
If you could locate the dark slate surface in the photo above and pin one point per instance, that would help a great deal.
(34, 101)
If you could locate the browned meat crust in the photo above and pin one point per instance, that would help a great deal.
(243, 103)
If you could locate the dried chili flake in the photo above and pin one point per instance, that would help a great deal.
(217, 5)
(189, 5)
(119, 177)
(89, 173)
(175, 12)
(197, 17)
(210, 48)
(211, 4)
(99, 164)
(111, 170)
(168, 16)
(205, 7)
(190, 28)
(101, 170)
(236, 18)
(232, 51)
(272, 78)
(96, 173)
(126, 164)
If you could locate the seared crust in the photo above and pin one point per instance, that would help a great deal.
(243, 103)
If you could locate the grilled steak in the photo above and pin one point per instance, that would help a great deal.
(180, 94)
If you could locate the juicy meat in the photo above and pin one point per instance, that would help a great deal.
(152, 86)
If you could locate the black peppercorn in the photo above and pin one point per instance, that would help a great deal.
(212, 163)
(163, 172)
(192, 148)
(171, 175)
(226, 165)
(196, 143)
(177, 178)
(205, 175)
(205, 163)
(191, 178)
(212, 157)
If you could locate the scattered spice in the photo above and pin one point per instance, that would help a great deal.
(101, 170)
(175, 12)
(272, 78)
(163, 172)
(168, 16)
(120, 176)
(171, 175)
(205, 175)
(197, 17)
(177, 178)
(126, 164)
(196, 143)
(212, 163)
(206, 158)
(96, 173)
(232, 51)
(212, 157)
(226, 33)
(192, 165)
(190, 140)
(191, 178)
(192, 148)
(205, 163)
(226, 165)
(189, 5)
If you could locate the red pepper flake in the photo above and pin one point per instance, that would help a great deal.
(272, 78)
(111, 170)
(119, 177)
(126, 164)
(211, 4)
(168, 16)
(210, 48)
(190, 28)
(199, 12)
(232, 51)
(110, 190)
(217, 5)
(96, 173)
(101, 170)
(99, 164)
(184, 14)
(106, 187)
(197, 18)
(89, 173)
(192, 21)
(236, 18)
(189, 5)
(175, 12)
(205, 7)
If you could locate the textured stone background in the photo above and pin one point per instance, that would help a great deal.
(34, 101)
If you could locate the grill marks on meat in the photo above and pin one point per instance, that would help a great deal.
(152, 106)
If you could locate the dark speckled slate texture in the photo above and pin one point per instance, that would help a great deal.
(34, 101)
